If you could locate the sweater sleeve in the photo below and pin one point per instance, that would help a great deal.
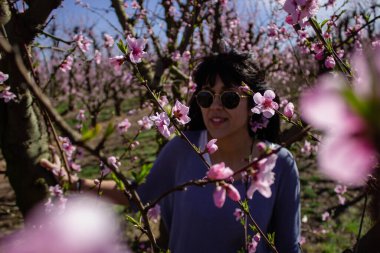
(162, 175)
(286, 216)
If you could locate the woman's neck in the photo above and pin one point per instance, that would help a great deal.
(234, 151)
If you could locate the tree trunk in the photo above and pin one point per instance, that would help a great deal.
(23, 134)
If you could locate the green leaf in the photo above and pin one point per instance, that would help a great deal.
(324, 22)
(245, 206)
(132, 220)
(91, 133)
(122, 47)
(110, 129)
(271, 237)
(119, 183)
(140, 177)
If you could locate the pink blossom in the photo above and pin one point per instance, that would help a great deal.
(108, 40)
(329, 62)
(342, 199)
(162, 123)
(97, 56)
(67, 64)
(154, 213)
(82, 42)
(81, 116)
(74, 166)
(340, 189)
(135, 5)
(325, 108)
(123, 126)
(137, 49)
(252, 246)
(219, 171)
(238, 214)
(192, 86)
(7, 95)
(289, 110)
(176, 56)
(302, 240)
(179, 112)
(3, 77)
(117, 61)
(186, 56)
(319, 56)
(272, 30)
(325, 216)
(263, 177)
(261, 147)
(232, 192)
(86, 225)
(219, 196)
(211, 147)
(300, 10)
(163, 101)
(114, 161)
(306, 148)
(265, 104)
(145, 123)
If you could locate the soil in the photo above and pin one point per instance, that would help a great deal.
(10, 216)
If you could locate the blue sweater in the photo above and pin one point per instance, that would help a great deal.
(195, 224)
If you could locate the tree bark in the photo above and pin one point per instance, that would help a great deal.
(23, 133)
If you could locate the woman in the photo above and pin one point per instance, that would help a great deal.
(220, 110)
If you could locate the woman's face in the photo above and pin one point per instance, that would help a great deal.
(221, 122)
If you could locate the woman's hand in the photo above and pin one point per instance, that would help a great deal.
(57, 169)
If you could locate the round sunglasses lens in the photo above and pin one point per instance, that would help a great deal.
(230, 100)
(204, 99)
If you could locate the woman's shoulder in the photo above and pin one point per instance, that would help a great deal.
(178, 144)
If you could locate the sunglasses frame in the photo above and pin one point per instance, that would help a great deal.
(220, 97)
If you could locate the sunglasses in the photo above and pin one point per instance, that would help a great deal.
(229, 99)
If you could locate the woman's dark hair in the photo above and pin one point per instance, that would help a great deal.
(233, 68)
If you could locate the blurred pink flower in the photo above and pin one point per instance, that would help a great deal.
(145, 123)
(219, 196)
(7, 95)
(238, 214)
(325, 108)
(162, 123)
(81, 116)
(263, 177)
(117, 61)
(300, 10)
(86, 225)
(253, 244)
(123, 126)
(340, 189)
(97, 56)
(154, 213)
(113, 161)
(265, 104)
(108, 40)
(232, 192)
(329, 62)
(137, 49)
(211, 147)
(325, 216)
(67, 64)
(289, 110)
(180, 111)
(3, 77)
(219, 171)
(82, 42)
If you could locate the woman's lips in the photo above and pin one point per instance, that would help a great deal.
(217, 121)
